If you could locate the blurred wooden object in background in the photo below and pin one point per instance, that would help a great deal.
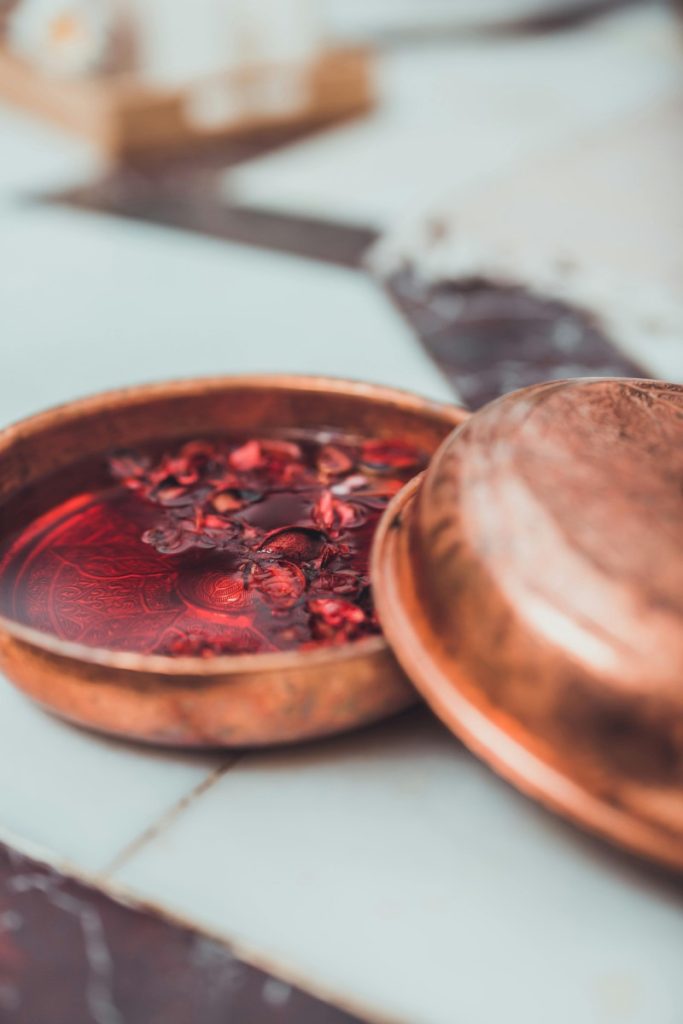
(123, 115)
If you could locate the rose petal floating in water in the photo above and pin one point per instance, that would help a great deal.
(280, 583)
(293, 543)
(334, 461)
(248, 456)
(387, 455)
(335, 619)
(344, 581)
(311, 570)
(333, 515)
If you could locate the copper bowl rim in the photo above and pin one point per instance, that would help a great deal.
(504, 752)
(227, 664)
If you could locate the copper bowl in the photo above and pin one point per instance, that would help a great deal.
(227, 701)
(532, 587)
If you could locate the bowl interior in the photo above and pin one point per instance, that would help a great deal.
(47, 460)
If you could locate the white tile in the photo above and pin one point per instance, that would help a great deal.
(456, 115)
(76, 797)
(615, 202)
(37, 156)
(89, 302)
(395, 871)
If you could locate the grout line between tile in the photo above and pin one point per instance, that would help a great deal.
(163, 822)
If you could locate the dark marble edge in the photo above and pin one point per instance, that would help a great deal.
(485, 337)
(544, 20)
(489, 338)
(189, 200)
(307, 237)
(71, 953)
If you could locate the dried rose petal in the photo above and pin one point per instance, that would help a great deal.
(329, 553)
(387, 455)
(181, 470)
(172, 495)
(335, 610)
(335, 619)
(252, 536)
(227, 501)
(214, 536)
(286, 451)
(344, 581)
(220, 477)
(379, 497)
(334, 515)
(280, 583)
(294, 543)
(317, 497)
(248, 456)
(175, 533)
(170, 537)
(334, 461)
(294, 475)
(210, 521)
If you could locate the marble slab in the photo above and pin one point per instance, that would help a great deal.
(454, 116)
(392, 868)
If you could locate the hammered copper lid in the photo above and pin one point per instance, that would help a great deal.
(532, 588)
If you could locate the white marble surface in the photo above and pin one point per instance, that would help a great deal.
(77, 798)
(89, 302)
(388, 869)
(391, 867)
(357, 18)
(453, 118)
(35, 156)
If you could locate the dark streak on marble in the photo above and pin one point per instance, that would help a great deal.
(70, 954)
(538, 19)
(488, 339)
(192, 198)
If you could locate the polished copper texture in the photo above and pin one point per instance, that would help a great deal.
(532, 589)
(237, 700)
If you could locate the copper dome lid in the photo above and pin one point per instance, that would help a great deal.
(532, 588)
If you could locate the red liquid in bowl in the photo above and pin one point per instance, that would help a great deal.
(228, 546)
